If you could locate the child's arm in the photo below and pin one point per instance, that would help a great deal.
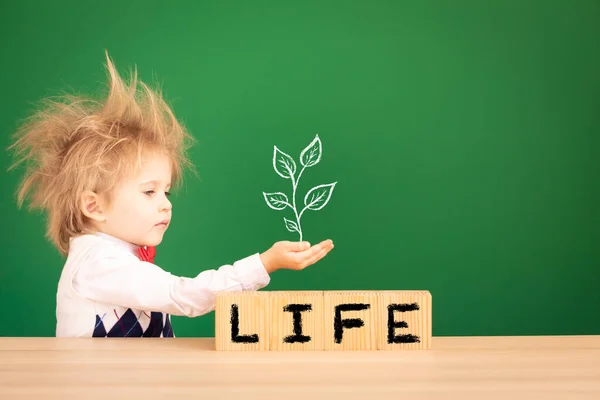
(144, 286)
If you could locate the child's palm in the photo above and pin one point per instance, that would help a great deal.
(294, 255)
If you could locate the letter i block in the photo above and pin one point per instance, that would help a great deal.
(296, 320)
(404, 320)
(350, 320)
(242, 321)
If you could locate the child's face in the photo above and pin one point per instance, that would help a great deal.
(140, 212)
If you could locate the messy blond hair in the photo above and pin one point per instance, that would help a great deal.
(75, 143)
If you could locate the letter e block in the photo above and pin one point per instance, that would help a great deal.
(350, 320)
(241, 321)
(296, 319)
(404, 320)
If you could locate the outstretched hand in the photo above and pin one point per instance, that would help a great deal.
(294, 255)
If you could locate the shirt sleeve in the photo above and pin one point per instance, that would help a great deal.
(145, 286)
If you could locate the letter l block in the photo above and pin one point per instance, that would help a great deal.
(242, 323)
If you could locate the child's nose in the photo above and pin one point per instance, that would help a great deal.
(166, 205)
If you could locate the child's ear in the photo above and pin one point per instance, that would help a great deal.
(91, 206)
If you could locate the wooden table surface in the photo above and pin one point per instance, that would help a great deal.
(531, 367)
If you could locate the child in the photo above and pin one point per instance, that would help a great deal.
(103, 171)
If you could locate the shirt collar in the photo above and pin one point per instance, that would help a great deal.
(119, 242)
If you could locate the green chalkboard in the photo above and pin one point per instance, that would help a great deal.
(463, 139)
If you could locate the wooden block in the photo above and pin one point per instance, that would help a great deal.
(329, 320)
(242, 321)
(350, 320)
(296, 320)
(404, 320)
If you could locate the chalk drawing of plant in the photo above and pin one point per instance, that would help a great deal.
(285, 166)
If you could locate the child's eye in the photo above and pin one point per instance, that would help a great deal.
(149, 192)
(167, 194)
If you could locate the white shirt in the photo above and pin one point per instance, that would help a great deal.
(106, 290)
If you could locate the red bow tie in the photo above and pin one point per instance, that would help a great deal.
(147, 254)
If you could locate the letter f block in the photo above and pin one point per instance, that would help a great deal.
(350, 320)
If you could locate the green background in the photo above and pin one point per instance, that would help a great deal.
(464, 137)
